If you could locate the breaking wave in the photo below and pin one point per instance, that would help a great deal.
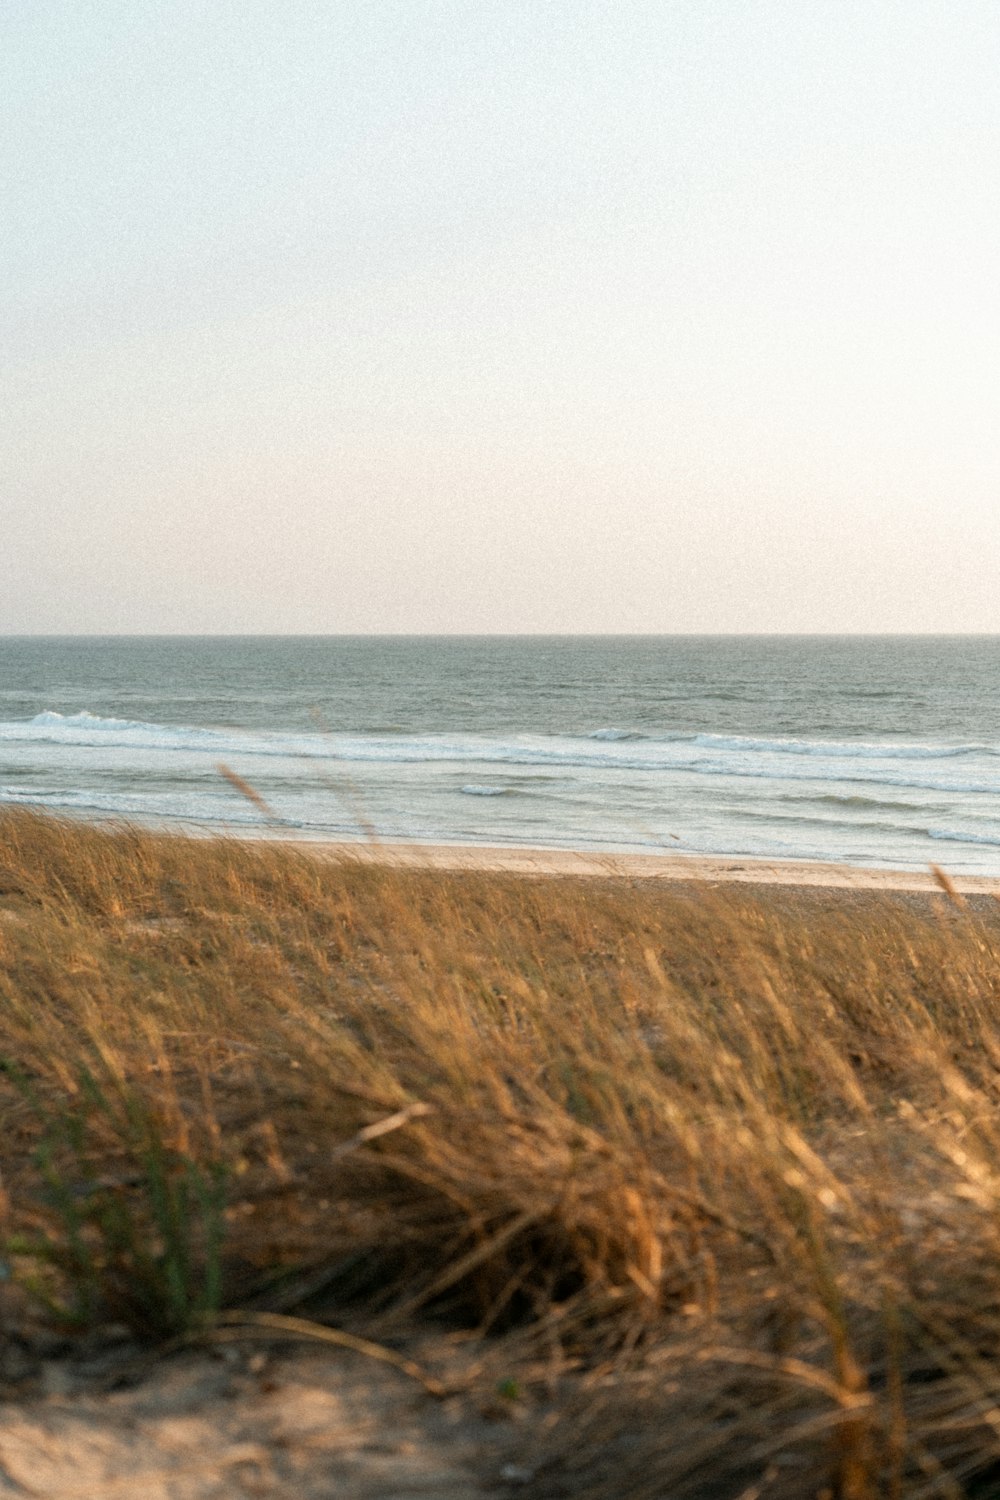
(871, 799)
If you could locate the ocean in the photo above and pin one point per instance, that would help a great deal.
(870, 750)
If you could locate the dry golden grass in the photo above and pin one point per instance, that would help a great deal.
(733, 1159)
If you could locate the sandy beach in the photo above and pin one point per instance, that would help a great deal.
(720, 869)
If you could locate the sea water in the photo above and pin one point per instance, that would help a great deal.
(871, 750)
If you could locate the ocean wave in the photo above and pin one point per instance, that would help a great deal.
(88, 728)
(487, 791)
(831, 826)
(840, 766)
(841, 750)
(955, 836)
(87, 723)
(49, 719)
(852, 799)
(123, 806)
(871, 778)
(837, 749)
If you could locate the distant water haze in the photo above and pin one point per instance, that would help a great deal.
(869, 750)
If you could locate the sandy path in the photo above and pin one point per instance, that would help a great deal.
(301, 1424)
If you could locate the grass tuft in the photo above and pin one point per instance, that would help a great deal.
(728, 1156)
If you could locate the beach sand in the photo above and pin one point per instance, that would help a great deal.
(715, 870)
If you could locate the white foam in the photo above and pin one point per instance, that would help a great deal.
(280, 740)
(85, 728)
(842, 749)
(84, 719)
(610, 788)
(609, 750)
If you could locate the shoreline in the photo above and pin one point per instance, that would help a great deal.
(706, 869)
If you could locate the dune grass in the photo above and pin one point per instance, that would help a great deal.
(730, 1159)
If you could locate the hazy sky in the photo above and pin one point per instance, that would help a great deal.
(500, 315)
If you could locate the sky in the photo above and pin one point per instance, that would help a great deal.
(500, 316)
